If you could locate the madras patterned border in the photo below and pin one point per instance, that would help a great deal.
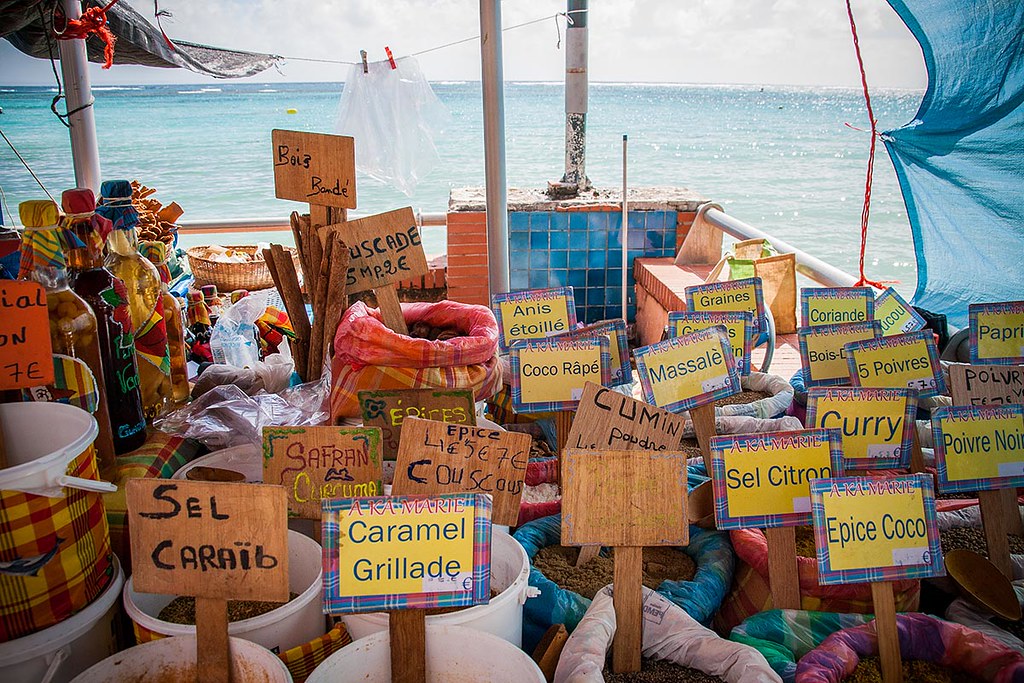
(733, 386)
(554, 406)
(835, 294)
(901, 340)
(730, 285)
(1003, 307)
(529, 295)
(866, 393)
(719, 318)
(939, 415)
(804, 332)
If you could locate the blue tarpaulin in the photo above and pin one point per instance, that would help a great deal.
(960, 162)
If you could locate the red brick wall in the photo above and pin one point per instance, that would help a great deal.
(467, 258)
(684, 221)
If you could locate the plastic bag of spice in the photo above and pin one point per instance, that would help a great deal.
(669, 634)
(776, 395)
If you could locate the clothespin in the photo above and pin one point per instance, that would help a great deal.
(366, 69)
(391, 57)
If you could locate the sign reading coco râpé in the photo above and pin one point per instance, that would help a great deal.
(732, 295)
(871, 529)
(549, 374)
(997, 333)
(836, 305)
(615, 330)
(903, 360)
(533, 314)
(822, 352)
(979, 448)
(406, 552)
(689, 371)
(739, 325)
(876, 425)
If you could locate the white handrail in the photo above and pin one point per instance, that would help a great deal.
(273, 224)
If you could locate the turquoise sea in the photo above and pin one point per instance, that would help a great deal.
(779, 158)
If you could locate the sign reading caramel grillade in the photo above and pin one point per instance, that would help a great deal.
(615, 330)
(870, 529)
(533, 314)
(406, 552)
(997, 333)
(209, 540)
(681, 373)
(896, 315)
(902, 360)
(836, 305)
(979, 448)
(822, 352)
(383, 249)
(389, 409)
(979, 385)
(732, 295)
(315, 464)
(876, 425)
(439, 458)
(739, 325)
(25, 348)
(315, 168)
(549, 375)
(608, 420)
(763, 480)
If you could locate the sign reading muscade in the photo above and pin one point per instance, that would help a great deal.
(388, 410)
(384, 249)
(903, 360)
(997, 333)
(681, 373)
(533, 314)
(549, 375)
(738, 324)
(615, 330)
(979, 448)
(763, 480)
(731, 295)
(822, 352)
(836, 305)
(896, 315)
(876, 425)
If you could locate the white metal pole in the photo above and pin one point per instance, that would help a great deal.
(493, 80)
(576, 87)
(625, 237)
(74, 65)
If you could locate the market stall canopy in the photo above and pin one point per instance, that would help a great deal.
(27, 23)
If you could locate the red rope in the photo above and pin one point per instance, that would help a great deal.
(871, 155)
(93, 20)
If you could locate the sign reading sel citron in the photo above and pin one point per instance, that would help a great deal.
(732, 295)
(406, 552)
(876, 425)
(871, 529)
(533, 314)
(549, 375)
(979, 448)
(763, 480)
(822, 352)
(689, 371)
(902, 360)
(895, 314)
(615, 330)
(836, 305)
(997, 333)
(739, 325)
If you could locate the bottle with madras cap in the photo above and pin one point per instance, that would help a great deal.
(156, 252)
(145, 295)
(107, 297)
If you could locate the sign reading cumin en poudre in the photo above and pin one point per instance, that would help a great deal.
(876, 425)
(822, 352)
(25, 347)
(405, 552)
(902, 360)
(533, 314)
(978, 385)
(896, 315)
(739, 325)
(549, 375)
(315, 168)
(615, 330)
(383, 249)
(979, 448)
(439, 458)
(836, 305)
(681, 373)
(315, 464)
(608, 420)
(732, 295)
(997, 333)
(388, 410)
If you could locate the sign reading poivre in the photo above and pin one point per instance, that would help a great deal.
(979, 385)
(979, 448)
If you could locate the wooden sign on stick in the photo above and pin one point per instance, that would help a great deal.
(608, 420)
(435, 457)
(389, 409)
(997, 333)
(876, 425)
(315, 168)
(600, 506)
(25, 349)
(981, 385)
(213, 541)
(533, 314)
(822, 352)
(836, 305)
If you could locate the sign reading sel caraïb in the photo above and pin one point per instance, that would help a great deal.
(549, 374)
(406, 552)
(314, 464)
(689, 371)
(25, 347)
(876, 425)
(315, 168)
(533, 314)
(836, 305)
(739, 325)
(209, 540)
(979, 448)
(389, 409)
(763, 480)
(902, 360)
(871, 529)
(896, 315)
(608, 420)
(997, 333)
(615, 330)
(822, 352)
(732, 295)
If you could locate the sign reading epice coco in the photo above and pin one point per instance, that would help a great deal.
(822, 352)
(681, 373)
(739, 325)
(732, 295)
(871, 529)
(533, 314)
(876, 425)
(997, 333)
(406, 552)
(903, 360)
(836, 305)
(979, 448)
(549, 375)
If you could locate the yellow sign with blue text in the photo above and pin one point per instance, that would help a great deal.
(549, 375)
(876, 424)
(979, 448)
(997, 333)
(533, 314)
(680, 373)
(902, 360)
(823, 354)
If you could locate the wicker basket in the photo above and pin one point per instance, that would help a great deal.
(231, 276)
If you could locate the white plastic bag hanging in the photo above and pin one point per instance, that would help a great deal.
(393, 116)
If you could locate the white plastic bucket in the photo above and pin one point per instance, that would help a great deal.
(57, 653)
(455, 654)
(174, 659)
(247, 460)
(281, 629)
(502, 616)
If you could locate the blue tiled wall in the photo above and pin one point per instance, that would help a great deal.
(584, 249)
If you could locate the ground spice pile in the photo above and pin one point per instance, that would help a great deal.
(805, 542)
(869, 670)
(182, 609)
(659, 671)
(556, 563)
(746, 396)
(973, 538)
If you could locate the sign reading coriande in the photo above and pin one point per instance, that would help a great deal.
(836, 305)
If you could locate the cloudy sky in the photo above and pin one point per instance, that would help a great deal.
(800, 42)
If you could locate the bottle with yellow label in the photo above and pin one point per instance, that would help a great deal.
(156, 252)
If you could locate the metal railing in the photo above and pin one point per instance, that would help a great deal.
(277, 224)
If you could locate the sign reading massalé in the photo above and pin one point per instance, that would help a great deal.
(689, 371)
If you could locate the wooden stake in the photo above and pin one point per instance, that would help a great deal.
(408, 631)
(783, 576)
(299, 233)
(316, 340)
(885, 629)
(996, 511)
(282, 268)
(628, 601)
(549, 649)
(391, 309)
(212, 649)
(703, 418)
(563, 425)
(337, 292)
(916, 454)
